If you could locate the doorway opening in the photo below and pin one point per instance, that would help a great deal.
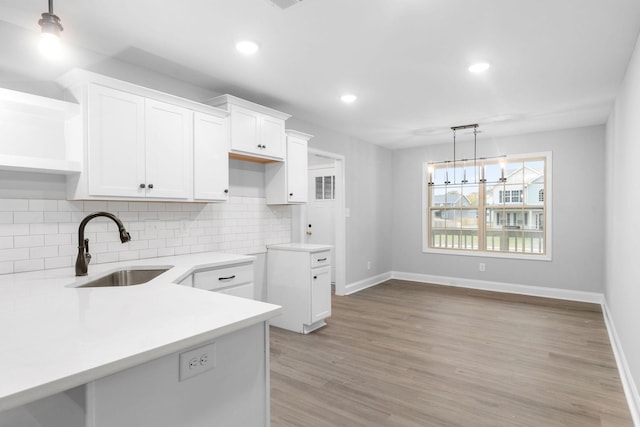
(322, 219)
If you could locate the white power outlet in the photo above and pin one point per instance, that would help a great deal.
(196, 361)
(368, 265)
(482, 266)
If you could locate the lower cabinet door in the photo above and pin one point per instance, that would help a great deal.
(320, 293)
(243, 291)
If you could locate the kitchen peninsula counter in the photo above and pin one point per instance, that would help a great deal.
(56, 336)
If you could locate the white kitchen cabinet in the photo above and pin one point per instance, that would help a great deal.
(286, 183)
(256, 132)
(299, 279)
(210, 157)
(168, 150)
(137, 147)
(234, 393)
(116, 142)
(138, 144)
(235, 279)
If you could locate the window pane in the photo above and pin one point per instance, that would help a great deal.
(328, 187)
(319, 191)
(454, 228)
(511, 199)
(470, 196)
(333, 187)
(492, 172)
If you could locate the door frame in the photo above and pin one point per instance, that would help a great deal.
(299, 215)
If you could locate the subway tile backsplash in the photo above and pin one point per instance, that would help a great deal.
(43, 234)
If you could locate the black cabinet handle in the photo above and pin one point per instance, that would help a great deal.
(290, 194)
(226, 191)
(227, 278)
(315, 277)
(321, 259)
(259, 145)
(150, 185)
(142, 186)
(264, 146)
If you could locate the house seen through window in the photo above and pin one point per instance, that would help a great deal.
(487, 206)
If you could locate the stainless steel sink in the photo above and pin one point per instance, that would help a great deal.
(125, 277)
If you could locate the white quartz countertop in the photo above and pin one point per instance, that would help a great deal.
(301, 247)
(55, 336)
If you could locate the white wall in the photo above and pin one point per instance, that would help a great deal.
(368, 176)
(578, 212)
(622, 289)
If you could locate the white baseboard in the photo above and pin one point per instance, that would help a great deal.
(630, 388)
(354, 287)
(537, 291)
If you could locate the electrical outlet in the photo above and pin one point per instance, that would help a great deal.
(196, 361)
(368, 265)
(481, 266)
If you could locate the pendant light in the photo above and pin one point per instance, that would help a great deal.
(479, 174)
(478, 167)
(50, 45)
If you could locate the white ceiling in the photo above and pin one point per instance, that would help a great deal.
(555, 63)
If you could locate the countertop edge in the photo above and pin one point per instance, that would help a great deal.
(81, 378)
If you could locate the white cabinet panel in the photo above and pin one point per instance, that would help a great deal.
(297, 187)
(320, 298)
(272, 136)
(168, 147)
(211, 157)
(138, 144)
(257, 132)
(138, 147)
(303, 292)
(234, 393)
(286, 183)
(234, 280)
(245, 130)
(116, 152)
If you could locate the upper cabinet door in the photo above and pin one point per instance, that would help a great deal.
(116, 149)
(211, 157)
(245, 130)
(257, 132)
(296, 168)
(169, 150)
(272, 136)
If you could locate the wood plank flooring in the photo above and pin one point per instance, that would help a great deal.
(410, 354)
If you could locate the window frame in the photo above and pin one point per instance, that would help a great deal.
(548, 215)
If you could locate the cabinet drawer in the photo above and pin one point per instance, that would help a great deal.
(223, 277)
(320, 259)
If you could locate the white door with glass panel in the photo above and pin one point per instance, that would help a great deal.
(321, 208)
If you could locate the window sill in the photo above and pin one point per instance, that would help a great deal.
(459, 252)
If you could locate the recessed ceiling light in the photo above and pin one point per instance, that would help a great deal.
(348, 98)
(479, 67)
(247, 47)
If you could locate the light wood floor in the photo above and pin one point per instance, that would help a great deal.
(409, 354)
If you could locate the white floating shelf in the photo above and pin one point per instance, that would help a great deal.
(38, 165)
(34, 104)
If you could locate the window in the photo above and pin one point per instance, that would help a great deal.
(493, 207)
(325, 187)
